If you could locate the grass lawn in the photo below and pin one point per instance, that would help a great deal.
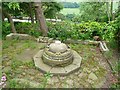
(66, 11)
(21, 71)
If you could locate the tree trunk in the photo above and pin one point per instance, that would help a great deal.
(41, 18)
(31, 14)
(111, 9)
(119, 6)
(36, 16)
(108, 11)
(3, 17)
(10, 20)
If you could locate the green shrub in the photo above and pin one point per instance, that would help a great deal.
(116, 25)
(64, 30)
(84, 30)
(5, 29)
(24, 28)
(28, 28)
(61, 30)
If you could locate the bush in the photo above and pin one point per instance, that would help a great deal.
(64, 30)
(84, 30)
(6, 29)
(24, 28)
(61, 30)
(116, 25)
(28, 28)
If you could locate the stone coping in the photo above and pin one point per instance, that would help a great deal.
(42, 39)
(57, 70)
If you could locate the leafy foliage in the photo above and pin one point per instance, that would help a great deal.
(28, 28)
(51, 9)
(64, 30)
(84, 30)
(92, 11)
(5, 29)
(12, 7)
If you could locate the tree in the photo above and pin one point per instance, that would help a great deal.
(51, 9)
(111, 9)
(70, 16)
(30, 11)
(40, 18)
(92, 11)
(108, 10)
(6, 9)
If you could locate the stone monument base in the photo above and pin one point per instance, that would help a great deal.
(57, 70)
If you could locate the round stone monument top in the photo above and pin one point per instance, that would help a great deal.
(58, 47)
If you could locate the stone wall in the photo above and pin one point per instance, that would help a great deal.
(19, 36)
(41, 39)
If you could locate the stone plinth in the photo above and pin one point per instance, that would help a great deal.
(57, 70)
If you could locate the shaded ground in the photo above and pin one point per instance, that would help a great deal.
(21, 72)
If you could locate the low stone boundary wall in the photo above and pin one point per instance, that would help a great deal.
(19, 36)
(82, 41)
(42, 39)
(50, 40)
(45, 39)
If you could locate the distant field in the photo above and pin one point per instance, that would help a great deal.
(70, 11)
(66, 11)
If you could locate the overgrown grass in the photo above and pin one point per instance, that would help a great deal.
(15, 64)
(16, 84)
(84, 50)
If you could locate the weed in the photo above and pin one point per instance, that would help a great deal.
(15, 84)
(47, 76)
(15, 64)
(29, 64)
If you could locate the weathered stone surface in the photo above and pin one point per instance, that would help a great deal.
(92, 76)
(82, 42)
(39, 63)
(61, 70)
(45, 39)
(58, 70)
(19, 36)
(57, 54)
(77, 58)
(71, 68)
(58, 47)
